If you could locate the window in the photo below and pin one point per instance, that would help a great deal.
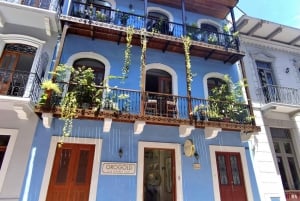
(158, 22)
(3, 146)
(97, 66)
(286, 158)
(212, 83)
(267, 83)
(15, 65)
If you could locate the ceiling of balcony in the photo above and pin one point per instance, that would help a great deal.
(266, 30)
(216, 8)
(26, 16)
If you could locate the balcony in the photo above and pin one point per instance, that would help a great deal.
(279, 99)
(104, 23)
(125, 105)
(19, 90)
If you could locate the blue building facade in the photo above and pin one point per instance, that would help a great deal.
(153, 144)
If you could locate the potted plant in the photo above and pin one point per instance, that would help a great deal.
(49, 88)
(123, 18)
(199, 110)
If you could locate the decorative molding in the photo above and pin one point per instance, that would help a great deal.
(139, 127)
(185, 130)
(211, 132)
(22, 111)
(106, 125)
(47, 119)
(47, 26)
(245, 136)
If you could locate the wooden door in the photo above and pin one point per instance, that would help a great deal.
(8, 63)
(231, 179)
(71, 173)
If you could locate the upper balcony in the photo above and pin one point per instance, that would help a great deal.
(102, 22)
(31, 17)
(279, 99)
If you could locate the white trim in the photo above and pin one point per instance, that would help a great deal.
(50, 160)
(210, 75)
(241, 150)
(90, 55)
(8, 153)
(170, 71)
(156, 145)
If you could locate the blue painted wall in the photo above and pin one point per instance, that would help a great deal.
(197, 184)
(114, 53)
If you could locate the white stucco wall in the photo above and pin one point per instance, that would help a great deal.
(264, 159)
(14, 177)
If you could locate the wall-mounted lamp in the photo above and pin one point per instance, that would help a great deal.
(196, 155)
(130, 6)
(287, 70)
(120, 152)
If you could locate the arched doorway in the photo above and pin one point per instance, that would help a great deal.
(159, 98)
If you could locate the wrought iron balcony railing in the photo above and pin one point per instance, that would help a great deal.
(163, 107)
(20, 84)
(108, 15)
(277, 94)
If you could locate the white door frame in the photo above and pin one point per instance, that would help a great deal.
(216, 148)
(50, 160)
(157, 145)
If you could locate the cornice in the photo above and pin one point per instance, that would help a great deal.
(269, 44)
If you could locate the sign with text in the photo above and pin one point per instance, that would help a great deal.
(114, 168)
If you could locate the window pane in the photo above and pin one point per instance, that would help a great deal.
(82, 166)
(235, 170)
(276, 147)
(63, 166)
(294, 173)
(222, 169)
(282, 173)
(287, 148)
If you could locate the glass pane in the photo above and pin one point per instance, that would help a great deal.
(294, 173)
(82, 166)
(282, 173)
(235, 170)
(8, 62)
(276, 147)
(222, 170)
(270, 79)
(63, 166)
(287, 148)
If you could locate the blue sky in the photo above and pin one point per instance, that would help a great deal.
(286, 12)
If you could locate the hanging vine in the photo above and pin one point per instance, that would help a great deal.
(143, 55)
(127, 52)
(187, 45)
(68, 113)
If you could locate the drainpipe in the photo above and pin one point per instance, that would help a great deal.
(59, 53)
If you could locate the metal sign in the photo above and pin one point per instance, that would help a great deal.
(115, 168)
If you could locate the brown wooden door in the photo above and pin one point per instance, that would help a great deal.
(231, 180)
(71, 173)
(8, 63)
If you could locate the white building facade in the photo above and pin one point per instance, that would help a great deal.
(272, 68)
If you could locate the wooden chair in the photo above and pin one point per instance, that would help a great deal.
(171, 108)
(151, 107)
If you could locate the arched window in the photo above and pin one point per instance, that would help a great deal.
(208, 27)
(158, 22)
(212, 83)
(15, 64)
(97, 66)
(158, 81)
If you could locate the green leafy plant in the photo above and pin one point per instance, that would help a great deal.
(49, 87)
(127, 52)
(187, 45)
(226, 100)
